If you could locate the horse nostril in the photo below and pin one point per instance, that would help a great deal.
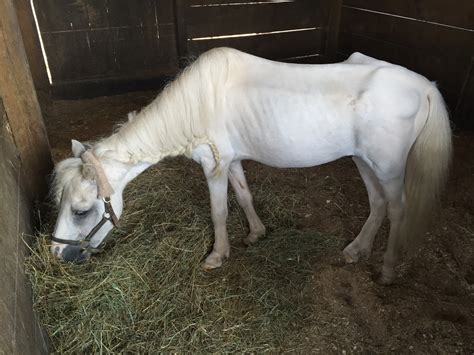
(75, 254)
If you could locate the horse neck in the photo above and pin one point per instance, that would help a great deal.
(120, 174)
(163, 128)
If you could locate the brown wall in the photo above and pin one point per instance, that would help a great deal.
(110, 41)
(101, 39)
(106, 41)
(25, 161)
(432, 37)
(19, 330)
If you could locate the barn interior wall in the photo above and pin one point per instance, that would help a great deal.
(25, 161)
(432, 37)
(120, 45)
(19, 333)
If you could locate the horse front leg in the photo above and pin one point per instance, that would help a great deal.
(244, 197)
(218, 193)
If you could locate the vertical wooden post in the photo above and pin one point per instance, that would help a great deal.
(332, 32)
(32, 45)
(181, 33)
(21, 103)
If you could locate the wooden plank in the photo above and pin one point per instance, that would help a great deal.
(114, 52)
(131, 13)
(181, 32)
(459, 13)
(228, 20)
(212, 3)
(333, 26)
(69, 55)
(32, 45)
(412, 34)
(273, 46)
(464, 113)
(139, 51)
(61, 15)
(97, 13)
(21, 104)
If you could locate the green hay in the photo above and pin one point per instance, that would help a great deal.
(148, 293)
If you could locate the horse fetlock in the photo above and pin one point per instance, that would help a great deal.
(354, 252)
(215, 260)
(387, 276)
(254, 236)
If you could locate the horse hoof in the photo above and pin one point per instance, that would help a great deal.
(212, 262)
(250, 240)
(385, 280)
(353, 254)
(253, 237)
(350, 255)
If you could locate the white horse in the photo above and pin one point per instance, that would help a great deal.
(229, 106)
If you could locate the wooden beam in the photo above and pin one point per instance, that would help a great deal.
(32, 45)
(21, 104)
(332, 34)
(181, 32)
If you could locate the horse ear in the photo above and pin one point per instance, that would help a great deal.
(77, 148)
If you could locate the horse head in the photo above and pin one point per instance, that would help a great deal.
(88, 192)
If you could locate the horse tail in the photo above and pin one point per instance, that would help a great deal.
(426, 171)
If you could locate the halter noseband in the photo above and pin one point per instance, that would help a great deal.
(104, 192)
(108, 215)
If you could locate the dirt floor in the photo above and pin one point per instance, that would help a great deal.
(430, 308)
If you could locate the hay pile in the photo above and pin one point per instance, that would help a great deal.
(148, 293)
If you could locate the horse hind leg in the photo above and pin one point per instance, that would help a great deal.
(244, 197)
(361, 246)
(394, 192)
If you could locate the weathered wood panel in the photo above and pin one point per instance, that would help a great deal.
(202, 21)
(32, 45)
(465, 106)
(91, 39)
(458, 13)
(280, 46)
(280, 30)
(21, 104)
(406, 33)
(24, 163)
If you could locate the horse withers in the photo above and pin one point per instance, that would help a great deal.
(229, 106)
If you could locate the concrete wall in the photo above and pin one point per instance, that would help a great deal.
(19, 331)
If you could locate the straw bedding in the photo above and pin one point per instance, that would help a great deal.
(148, 293)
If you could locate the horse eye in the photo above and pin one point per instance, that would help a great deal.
(80, 213)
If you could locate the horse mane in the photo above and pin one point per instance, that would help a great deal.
(65, 172)
(177, 120)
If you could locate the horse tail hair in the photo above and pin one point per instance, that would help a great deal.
(426, 172)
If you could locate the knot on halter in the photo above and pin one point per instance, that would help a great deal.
(104, 189)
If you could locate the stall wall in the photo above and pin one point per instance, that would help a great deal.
(25, 161)
(432, 37)
(109, 42)
(19, 330)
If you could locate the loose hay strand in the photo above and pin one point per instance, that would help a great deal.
(147, 292)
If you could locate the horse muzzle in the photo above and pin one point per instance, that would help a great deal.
(75, 254)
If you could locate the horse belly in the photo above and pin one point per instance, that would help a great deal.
(293, 131)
